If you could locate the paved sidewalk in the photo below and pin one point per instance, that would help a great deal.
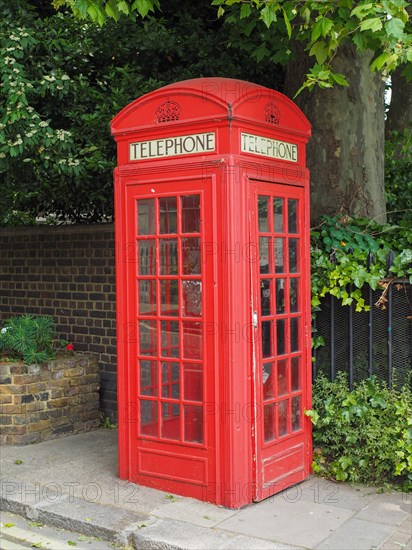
(72, 483)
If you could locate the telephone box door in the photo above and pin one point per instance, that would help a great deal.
(279, 286)
(169, 301)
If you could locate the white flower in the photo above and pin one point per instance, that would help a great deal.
(43, 124)
(65, 77)
(3, 156)
(49, 78)
(3, 330)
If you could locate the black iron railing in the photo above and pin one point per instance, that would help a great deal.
(377, 342)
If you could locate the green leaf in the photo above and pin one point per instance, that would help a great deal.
(374, 24)
(380, 61)
(316, 30)
(340, 79)
(124, 8)
(394, 27)
(245, 11)
(8, 525)
(268, 15)
(71, 543)
(326, 26)
(143, 7)
(320, 51)
(287, 23)
(361, 10)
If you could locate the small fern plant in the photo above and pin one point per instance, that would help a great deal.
(28, 338)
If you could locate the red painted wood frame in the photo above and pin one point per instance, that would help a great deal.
(213, 296)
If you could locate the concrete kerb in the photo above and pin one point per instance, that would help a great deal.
(121, 526)
(72, 513)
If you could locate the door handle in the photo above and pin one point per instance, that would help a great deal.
(255, 319)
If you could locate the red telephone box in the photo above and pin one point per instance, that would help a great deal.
(213, 291)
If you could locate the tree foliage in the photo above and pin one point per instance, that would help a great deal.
(323, 25)
(63, 81)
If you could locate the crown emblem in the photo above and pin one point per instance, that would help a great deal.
(168, 111)
(272, 113)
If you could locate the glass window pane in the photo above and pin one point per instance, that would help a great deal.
(148, 417)
(263, 208)
(148, 377)
(192, 298)
(265, 285)
(269, 422)
(283, 383)
(294, 334)
(170, 339)
(147, 257)
(280, 295)
(170, 421)
(168, 256)
(283, 413)
(147, 297)
(146, 217)
(190, 213)
(170, 380)
(168, 214)
(193, 423)
(294, 296)
(193, 381)
(264, 254)
(278, 214)
(295, 373)
(147, 337)
(170, 297)
(292, 216)
(267, 339)
(192, 340)
(293, 255)
(279, 255)
(267, 379)
(191, 256)
(280, 336)
(296, 413)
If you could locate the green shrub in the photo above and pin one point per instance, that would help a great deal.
(363, 435)
(28, 338)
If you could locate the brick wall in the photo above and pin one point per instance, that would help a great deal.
(40, 402)
(66, 272)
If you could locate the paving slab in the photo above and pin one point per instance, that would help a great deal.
(193, 511)
(392, 508)
(294, 523)
(323, 491)
(357, 534)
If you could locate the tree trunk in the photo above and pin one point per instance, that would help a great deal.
(400, 110)
(346, 152)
